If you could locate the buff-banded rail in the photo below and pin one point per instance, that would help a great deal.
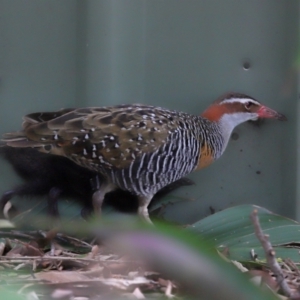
(136, 147)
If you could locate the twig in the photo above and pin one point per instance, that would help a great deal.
(270, 254)
(291, 264)
(5, 259)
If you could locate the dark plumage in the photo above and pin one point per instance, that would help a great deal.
(48, 175)
(56, 176)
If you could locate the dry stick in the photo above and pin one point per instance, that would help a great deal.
(291, 264)
(5, 259)
(270, 254)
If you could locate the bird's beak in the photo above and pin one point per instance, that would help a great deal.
(266, 112)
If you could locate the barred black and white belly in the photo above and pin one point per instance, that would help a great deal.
(153, 171)
(148, 172)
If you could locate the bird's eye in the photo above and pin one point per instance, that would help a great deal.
(248, 105)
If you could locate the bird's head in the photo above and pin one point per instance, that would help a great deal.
(235, 108)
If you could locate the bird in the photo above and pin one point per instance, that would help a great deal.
(47, 175)
(53, 176)
(139, 148)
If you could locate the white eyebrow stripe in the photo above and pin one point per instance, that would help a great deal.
(240, 100)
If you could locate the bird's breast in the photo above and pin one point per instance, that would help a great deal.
(205, 157)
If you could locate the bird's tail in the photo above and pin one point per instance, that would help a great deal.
(33, 125)
(18, 139)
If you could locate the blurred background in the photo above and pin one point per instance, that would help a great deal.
(172, 53)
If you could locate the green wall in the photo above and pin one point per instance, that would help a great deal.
(179, 54)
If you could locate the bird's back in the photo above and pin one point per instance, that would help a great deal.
(137, 147)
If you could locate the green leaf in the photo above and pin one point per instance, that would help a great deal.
(231, 229)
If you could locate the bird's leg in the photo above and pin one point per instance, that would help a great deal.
(99, 194)
(143, 207)
(53, 212)
(3, 201)
(98, 198)
(53, 196)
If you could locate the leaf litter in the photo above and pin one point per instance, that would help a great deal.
(51, 265)
(34, 271)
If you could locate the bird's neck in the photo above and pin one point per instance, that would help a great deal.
(220, 132)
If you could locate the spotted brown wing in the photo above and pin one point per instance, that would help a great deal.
(114, 136)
